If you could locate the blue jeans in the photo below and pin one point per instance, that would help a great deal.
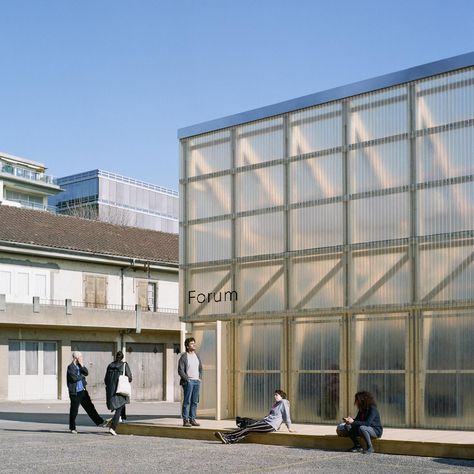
(191, 399)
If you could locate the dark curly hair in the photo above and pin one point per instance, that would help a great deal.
(363, 400)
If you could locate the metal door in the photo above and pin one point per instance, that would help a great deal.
(146, 363)
(97, 356)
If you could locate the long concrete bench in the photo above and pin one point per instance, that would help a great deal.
(410, 447)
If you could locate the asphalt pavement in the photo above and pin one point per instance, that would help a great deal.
(34, 438)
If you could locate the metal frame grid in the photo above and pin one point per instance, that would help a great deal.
(351, 311)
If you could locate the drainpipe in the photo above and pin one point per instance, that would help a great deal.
(122, 273)
(121, 289)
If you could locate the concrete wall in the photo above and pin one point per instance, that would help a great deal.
(63, 338)
(22, 277)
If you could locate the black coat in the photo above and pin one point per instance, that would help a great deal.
(369, 417)
(114, 371)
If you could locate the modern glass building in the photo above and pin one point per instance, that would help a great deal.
(327, 246)
(118, 199)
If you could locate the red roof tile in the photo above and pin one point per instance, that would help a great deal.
(26, 226)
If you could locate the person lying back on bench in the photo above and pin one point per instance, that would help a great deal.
(279, 413)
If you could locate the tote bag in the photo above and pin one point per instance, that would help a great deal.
(123, 387)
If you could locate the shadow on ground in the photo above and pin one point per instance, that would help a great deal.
(58, 418)
(455, 462)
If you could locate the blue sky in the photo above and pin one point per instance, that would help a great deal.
(106, 83)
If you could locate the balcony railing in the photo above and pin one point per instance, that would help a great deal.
(34, 205)
(83, 304)
(27, 174)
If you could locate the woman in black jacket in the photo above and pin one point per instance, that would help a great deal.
(366, 424)
(116, 401)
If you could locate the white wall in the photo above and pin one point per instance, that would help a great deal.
(168, 294)
(67, 284)
(20, 283)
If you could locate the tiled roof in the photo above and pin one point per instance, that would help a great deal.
(60, 232)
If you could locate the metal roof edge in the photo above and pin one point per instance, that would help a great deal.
(367, 85)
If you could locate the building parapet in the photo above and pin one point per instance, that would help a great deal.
(49, 313)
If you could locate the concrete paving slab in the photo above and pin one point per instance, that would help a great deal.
(161, 419)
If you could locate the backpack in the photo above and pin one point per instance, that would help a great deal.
(243, 422)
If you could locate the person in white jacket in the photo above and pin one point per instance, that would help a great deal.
(279, 413)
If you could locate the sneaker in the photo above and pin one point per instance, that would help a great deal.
(106, 423)
(187, 423)
(355, 449)
(220, 437)
(194, 423)
(112, 432)
(369, 451)
(74, 431)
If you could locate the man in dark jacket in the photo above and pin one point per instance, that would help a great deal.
(190, 371)
(76, 384)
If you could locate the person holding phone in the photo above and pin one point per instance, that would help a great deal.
(76, 384)
(366, 424)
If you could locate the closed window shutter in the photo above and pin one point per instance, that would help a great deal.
(89, 291)
(101, 292)
(142, 294)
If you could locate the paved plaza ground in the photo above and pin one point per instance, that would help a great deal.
(34, 438)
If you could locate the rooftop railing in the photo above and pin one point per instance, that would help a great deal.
(26, 173)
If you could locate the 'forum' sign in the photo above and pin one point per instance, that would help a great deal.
(219, 297)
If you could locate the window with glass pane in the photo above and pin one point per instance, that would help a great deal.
(151, 296)
(13, 357)
(31, 358)
(49, 358)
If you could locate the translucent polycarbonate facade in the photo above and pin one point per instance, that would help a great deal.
(337, 241)
(205, 335)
